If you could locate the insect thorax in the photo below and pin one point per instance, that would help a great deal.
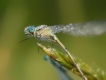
(44, 33)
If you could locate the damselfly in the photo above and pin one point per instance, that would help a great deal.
(47, 33)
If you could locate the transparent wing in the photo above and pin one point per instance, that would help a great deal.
(82, 29)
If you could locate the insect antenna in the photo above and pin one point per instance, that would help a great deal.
(24, 40)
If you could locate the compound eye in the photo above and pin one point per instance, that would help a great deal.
(31, 29)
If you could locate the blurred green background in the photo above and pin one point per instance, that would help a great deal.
(22, 61)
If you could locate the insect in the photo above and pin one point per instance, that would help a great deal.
(47, 33)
